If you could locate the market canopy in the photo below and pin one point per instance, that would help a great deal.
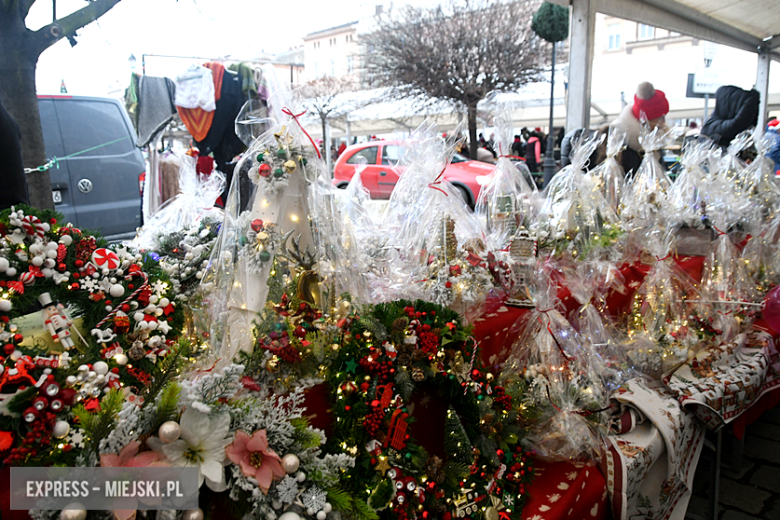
(749, 25)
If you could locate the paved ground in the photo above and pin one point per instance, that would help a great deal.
(753, 492)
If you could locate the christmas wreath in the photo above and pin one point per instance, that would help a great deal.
(389, 356)
(380, 363)
(129, 321)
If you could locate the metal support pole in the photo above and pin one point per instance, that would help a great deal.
(762, 85)
(706, 107)
(549, 156)
(583, 17)
(349, 134)
(326, 141)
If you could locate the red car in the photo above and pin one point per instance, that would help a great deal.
(381, 173)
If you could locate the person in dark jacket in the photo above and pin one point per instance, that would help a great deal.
(736, 111)
(518, 147)
(12, 174)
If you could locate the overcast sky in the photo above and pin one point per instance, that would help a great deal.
(207, 28)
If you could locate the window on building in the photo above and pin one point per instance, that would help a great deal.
(332, 67)
(350, 68)
(613, 32)
(645, 32)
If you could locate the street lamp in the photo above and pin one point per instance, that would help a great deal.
(551, 22)
(132, 61)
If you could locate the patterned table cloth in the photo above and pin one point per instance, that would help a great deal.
(725, 380)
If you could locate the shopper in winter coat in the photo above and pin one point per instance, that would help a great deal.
(12, 175)
(533, 152)
(518, 147)
(736, 110)
(772, 130)
(649, 103)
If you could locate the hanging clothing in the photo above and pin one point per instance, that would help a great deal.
(196, 88)
(131, 98)
(198, 120)
(247, 75)
(221, 139)
(155, 108)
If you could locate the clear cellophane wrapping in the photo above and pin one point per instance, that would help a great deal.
(198, 194)
(555, 373)
(646, 204)
(669, 321)
(438, 241)
(270, 234)
(575, 219)
(506, 200)
(609, 176)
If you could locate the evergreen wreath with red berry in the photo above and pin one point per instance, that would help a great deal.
(390, 355)
(108, 321)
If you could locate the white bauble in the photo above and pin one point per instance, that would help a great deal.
(143, 325)
(327, 507)
(66, 240)
(16, 355)
(276, 504)
(116, 290)
(37, 261)
(51, 253)
(52, 246)
(152, 325)
(70, 380)
(301, 476)
(158, 312)
(6, 305)
(46, 227)
(321, 515)
(164, 302)
(112, 279)
(34, 249)
(105, 271)
(310, 512)
(138, 316)
(4, 264)
(169, 432)
(153, 298)
(47, 272)
(49, 262)
(289, 515)
(60, 430)
(74, 511)
(192, 514)
(101, 368)
(11, 271)
(121, 359)
(291, 463)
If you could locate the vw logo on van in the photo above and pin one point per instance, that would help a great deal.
(85, 185)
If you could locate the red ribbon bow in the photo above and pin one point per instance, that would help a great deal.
(295, 117)
(438, 181)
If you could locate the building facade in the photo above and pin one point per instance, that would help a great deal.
(332, 52)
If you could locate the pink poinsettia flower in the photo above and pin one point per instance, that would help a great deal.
(130, 458)
(256, 459)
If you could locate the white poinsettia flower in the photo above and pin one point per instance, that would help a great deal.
(202, 445)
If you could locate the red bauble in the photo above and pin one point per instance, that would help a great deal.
(8, 349)
(61, 267)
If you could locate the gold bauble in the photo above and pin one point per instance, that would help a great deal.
(273, 364)
(289, 166)
(489, 377)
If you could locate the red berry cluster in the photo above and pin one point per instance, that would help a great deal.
(373, 421)
(40, 433)
(250, 384)
(413, 314)
(427, 341)
(139, 374)
(289, 354)
(501, 399)
(383, 371)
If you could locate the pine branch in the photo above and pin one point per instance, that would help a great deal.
(99, 424)
(166, 370)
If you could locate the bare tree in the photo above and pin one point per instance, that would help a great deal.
(20, 48)
(459, 50)
(332, 98)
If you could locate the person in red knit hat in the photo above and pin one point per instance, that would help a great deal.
(649, 103)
